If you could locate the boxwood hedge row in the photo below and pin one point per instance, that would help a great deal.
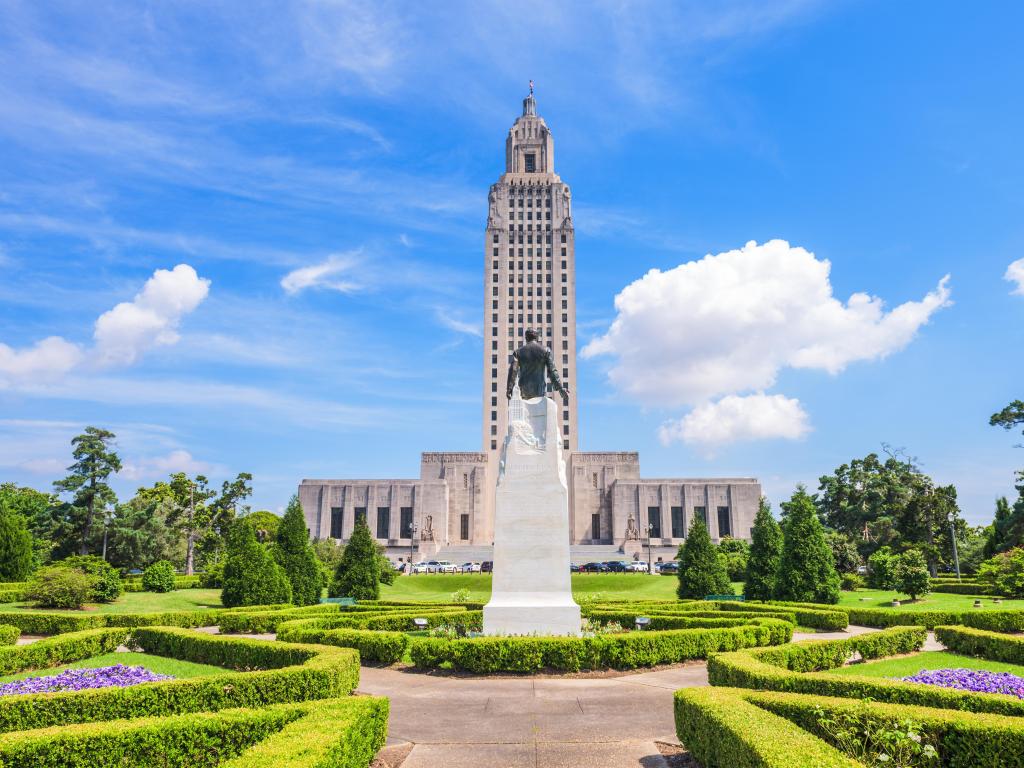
(276, 673)
(754, 729)
(803, 668)
(9, 634)
(995, 646)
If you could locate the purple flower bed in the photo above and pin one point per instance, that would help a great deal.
(977, 680)
(79, 679)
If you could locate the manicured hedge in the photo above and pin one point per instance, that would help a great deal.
(332, 733)
(62, 649)
(282, 672)
(134, 583)
(628, 650)
(826, 618)
(9, 634)
(996, 621)
(378, 647)
(994, 646)
(670, 620)
(751, 729)
(13, 592)
(721, 728)
(259, 622)
(802, 668)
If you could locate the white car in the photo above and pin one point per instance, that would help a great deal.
(470, 568)
(445, 566)
(638, 566)
(423, 567)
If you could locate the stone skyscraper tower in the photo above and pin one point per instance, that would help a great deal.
(529, 273)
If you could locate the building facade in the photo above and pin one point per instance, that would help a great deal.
(529, 282)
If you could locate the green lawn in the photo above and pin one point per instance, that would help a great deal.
(438, 587)
(911, 665)
(160, 665)
(141, 602)
(936, 601)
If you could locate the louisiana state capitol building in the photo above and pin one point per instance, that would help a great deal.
(529, 281)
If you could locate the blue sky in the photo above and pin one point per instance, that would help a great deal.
(321, 168)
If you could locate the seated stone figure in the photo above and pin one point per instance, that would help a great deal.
(532, 365)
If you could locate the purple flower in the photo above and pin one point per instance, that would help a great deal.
(976, 680)
(79, 679)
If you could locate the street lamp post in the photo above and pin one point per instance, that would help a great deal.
(412, 543)
(650, 530)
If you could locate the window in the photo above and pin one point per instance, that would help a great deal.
(361, 514)
(724, 522)
(494, 445)
(654, 521)
(383, 522)
(702, 513)
(565, 429)
(678, 527)
(494, 415)
(531, 162)
(594, 479)
(595, 527)
(563, 237)
(495, 239)
(336, 518)
(464, 527)
(405, 522)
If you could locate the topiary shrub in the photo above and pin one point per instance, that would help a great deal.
(251, 577)
(107, 586)
(15, 545)
(9, 634)
(701, 571)
(159, 577)
(1004, 573)
(765, 551)
(213, 576)
(358, 571)
(880, 568)
(294, 554)
(851, 582)
(60, 587)
(807, 572)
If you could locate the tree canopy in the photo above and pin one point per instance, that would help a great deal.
(95, 462)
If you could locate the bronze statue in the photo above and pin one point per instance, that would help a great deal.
(531, 366)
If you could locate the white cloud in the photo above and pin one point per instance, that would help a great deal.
(1015, 274)
(730, 322)
(47, 359)
(158, 466)
(47, 467)
(151, 319)
(121, 334)
(333, 273)
(737, 418)
(457, 325)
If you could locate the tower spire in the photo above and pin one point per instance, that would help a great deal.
(530, 104)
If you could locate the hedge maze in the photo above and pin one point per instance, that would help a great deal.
(275, 704)
(773, 707)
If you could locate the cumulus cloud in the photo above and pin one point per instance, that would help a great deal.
(730, 322)
(333, 273)
(121, 334)
(737, 418)
(151, 319)
(1015, 274)
(157, 466)
(727, 324)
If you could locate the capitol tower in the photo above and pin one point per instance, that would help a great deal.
(529, 273)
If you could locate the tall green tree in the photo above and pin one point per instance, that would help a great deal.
(807, 572)
(293, 552)
(251, 576)
(1011, 417)
(15, 545)
(141, 535)
(910, 575)
(39, 511)
(765, 553)
(95, 462)
(358, 572)
(265, 523)
(701, 571)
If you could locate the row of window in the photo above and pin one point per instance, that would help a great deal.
(529, 304)
(384, 522)
(529, 201)
(530, 266)
(529, 291)
(511, 348)
(679, 524)
(529, 237)
(529, 318)
(529, 215)
(529, 278)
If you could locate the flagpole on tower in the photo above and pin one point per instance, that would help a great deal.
(531, 87)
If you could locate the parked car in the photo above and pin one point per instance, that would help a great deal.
(667, 569)
(594, 568)
(617, 566)
(638, 566)
(446, 566)
(574, 568)
(470, 567)
(486, 566)
(422, 567)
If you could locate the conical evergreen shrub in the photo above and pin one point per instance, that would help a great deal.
(765, 554)
(293, 552)
(807, 571)
(251, 577)
(15, 546)
(701, 571)
(358, 571)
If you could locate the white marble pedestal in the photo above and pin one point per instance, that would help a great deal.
(532, 589)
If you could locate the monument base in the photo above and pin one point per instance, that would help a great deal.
(631, 547)
(530, 613)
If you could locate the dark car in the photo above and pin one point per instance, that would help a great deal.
(594, 568)
(616, 566)
(487, 566)
(669, 568)
(573, 568)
